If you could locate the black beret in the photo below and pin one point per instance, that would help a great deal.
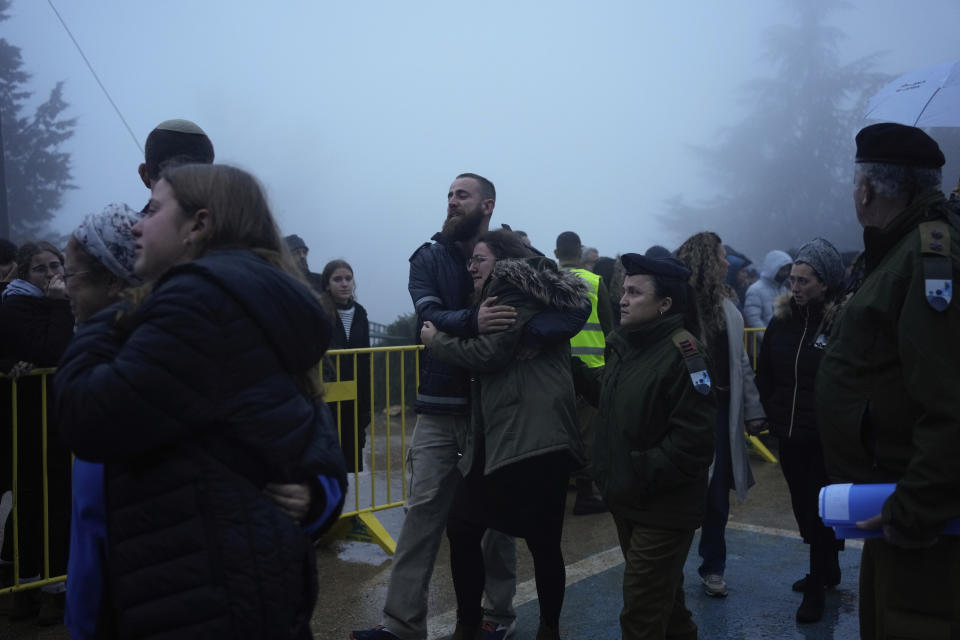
(891, 143)
(666, 267)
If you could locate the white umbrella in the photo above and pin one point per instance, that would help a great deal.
(926, 97)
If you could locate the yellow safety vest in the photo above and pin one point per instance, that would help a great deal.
(588, 345)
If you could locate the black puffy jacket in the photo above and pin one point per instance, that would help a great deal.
(787, 368)
(440, 287)
(193, 408)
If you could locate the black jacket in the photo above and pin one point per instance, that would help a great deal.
(787, 369)
(194, 407)
(441, 289)
(34, 330)
(359, 339)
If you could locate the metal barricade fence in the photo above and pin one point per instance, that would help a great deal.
(393, 375)
(752, 337)
(392, 379)
(13, 476)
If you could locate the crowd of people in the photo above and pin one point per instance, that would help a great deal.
(207, 461)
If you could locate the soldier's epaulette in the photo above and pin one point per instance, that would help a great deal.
(694, 360)
(937, 266)
(419, 249)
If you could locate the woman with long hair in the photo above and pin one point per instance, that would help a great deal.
(789, 358)
(524, 440)
(654, 441)
(194, 395)
(721, 332)
(351, 330)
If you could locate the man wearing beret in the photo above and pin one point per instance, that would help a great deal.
(887, 390)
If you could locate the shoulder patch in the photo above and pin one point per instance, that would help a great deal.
(694, 360)
(937, 266)
(419, 249)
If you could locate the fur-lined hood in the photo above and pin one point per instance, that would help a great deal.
(783, 307)
(540, 278)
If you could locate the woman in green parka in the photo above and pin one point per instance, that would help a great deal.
(524, 441)
(654, 441)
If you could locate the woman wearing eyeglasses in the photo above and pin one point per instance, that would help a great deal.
(35, 326)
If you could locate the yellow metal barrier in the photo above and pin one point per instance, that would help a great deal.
(752, 337)
(357, 523)
(360, 523)
(45, 577)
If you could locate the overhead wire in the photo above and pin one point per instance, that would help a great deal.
(96, 77)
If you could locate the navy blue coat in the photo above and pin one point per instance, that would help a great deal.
(194, 404)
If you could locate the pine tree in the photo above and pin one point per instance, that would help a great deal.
(785, 173)
(37, 171)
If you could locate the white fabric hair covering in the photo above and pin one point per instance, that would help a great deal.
(107, 237)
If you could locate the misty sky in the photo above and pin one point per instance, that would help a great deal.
(357, 115)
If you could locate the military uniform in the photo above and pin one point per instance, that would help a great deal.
(654, 445)
(888, 407)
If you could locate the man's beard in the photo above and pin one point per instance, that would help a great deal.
(463, 227)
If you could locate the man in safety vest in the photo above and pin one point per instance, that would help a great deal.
(588, 345)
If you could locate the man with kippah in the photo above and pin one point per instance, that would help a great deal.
(886, 391)
(173, 142)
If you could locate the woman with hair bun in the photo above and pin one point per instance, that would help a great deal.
(195, 393)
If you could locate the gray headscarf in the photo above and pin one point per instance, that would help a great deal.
(107, 238)
(824, 259)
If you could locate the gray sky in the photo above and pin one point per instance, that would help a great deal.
(357, 115)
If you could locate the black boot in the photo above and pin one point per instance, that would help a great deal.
(547, 632)
(464, 632)
(811, 609)
(587, 501)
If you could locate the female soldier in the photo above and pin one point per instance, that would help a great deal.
(654, 441)
(524, 441)
(789, 358)
(194, 397)
(722, 335)
(351, 331)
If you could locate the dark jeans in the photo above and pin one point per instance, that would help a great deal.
(713, 544)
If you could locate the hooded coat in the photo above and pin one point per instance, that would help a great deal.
(524, 408)
(194, 404)
(758, 303)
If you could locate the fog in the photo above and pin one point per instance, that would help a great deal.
(357, 116)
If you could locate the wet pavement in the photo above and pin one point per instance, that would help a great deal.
(765, 556)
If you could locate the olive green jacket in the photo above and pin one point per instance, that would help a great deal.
(888, 387)
(655, 435)
(523, 408)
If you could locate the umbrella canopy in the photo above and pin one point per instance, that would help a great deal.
(926, 97)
